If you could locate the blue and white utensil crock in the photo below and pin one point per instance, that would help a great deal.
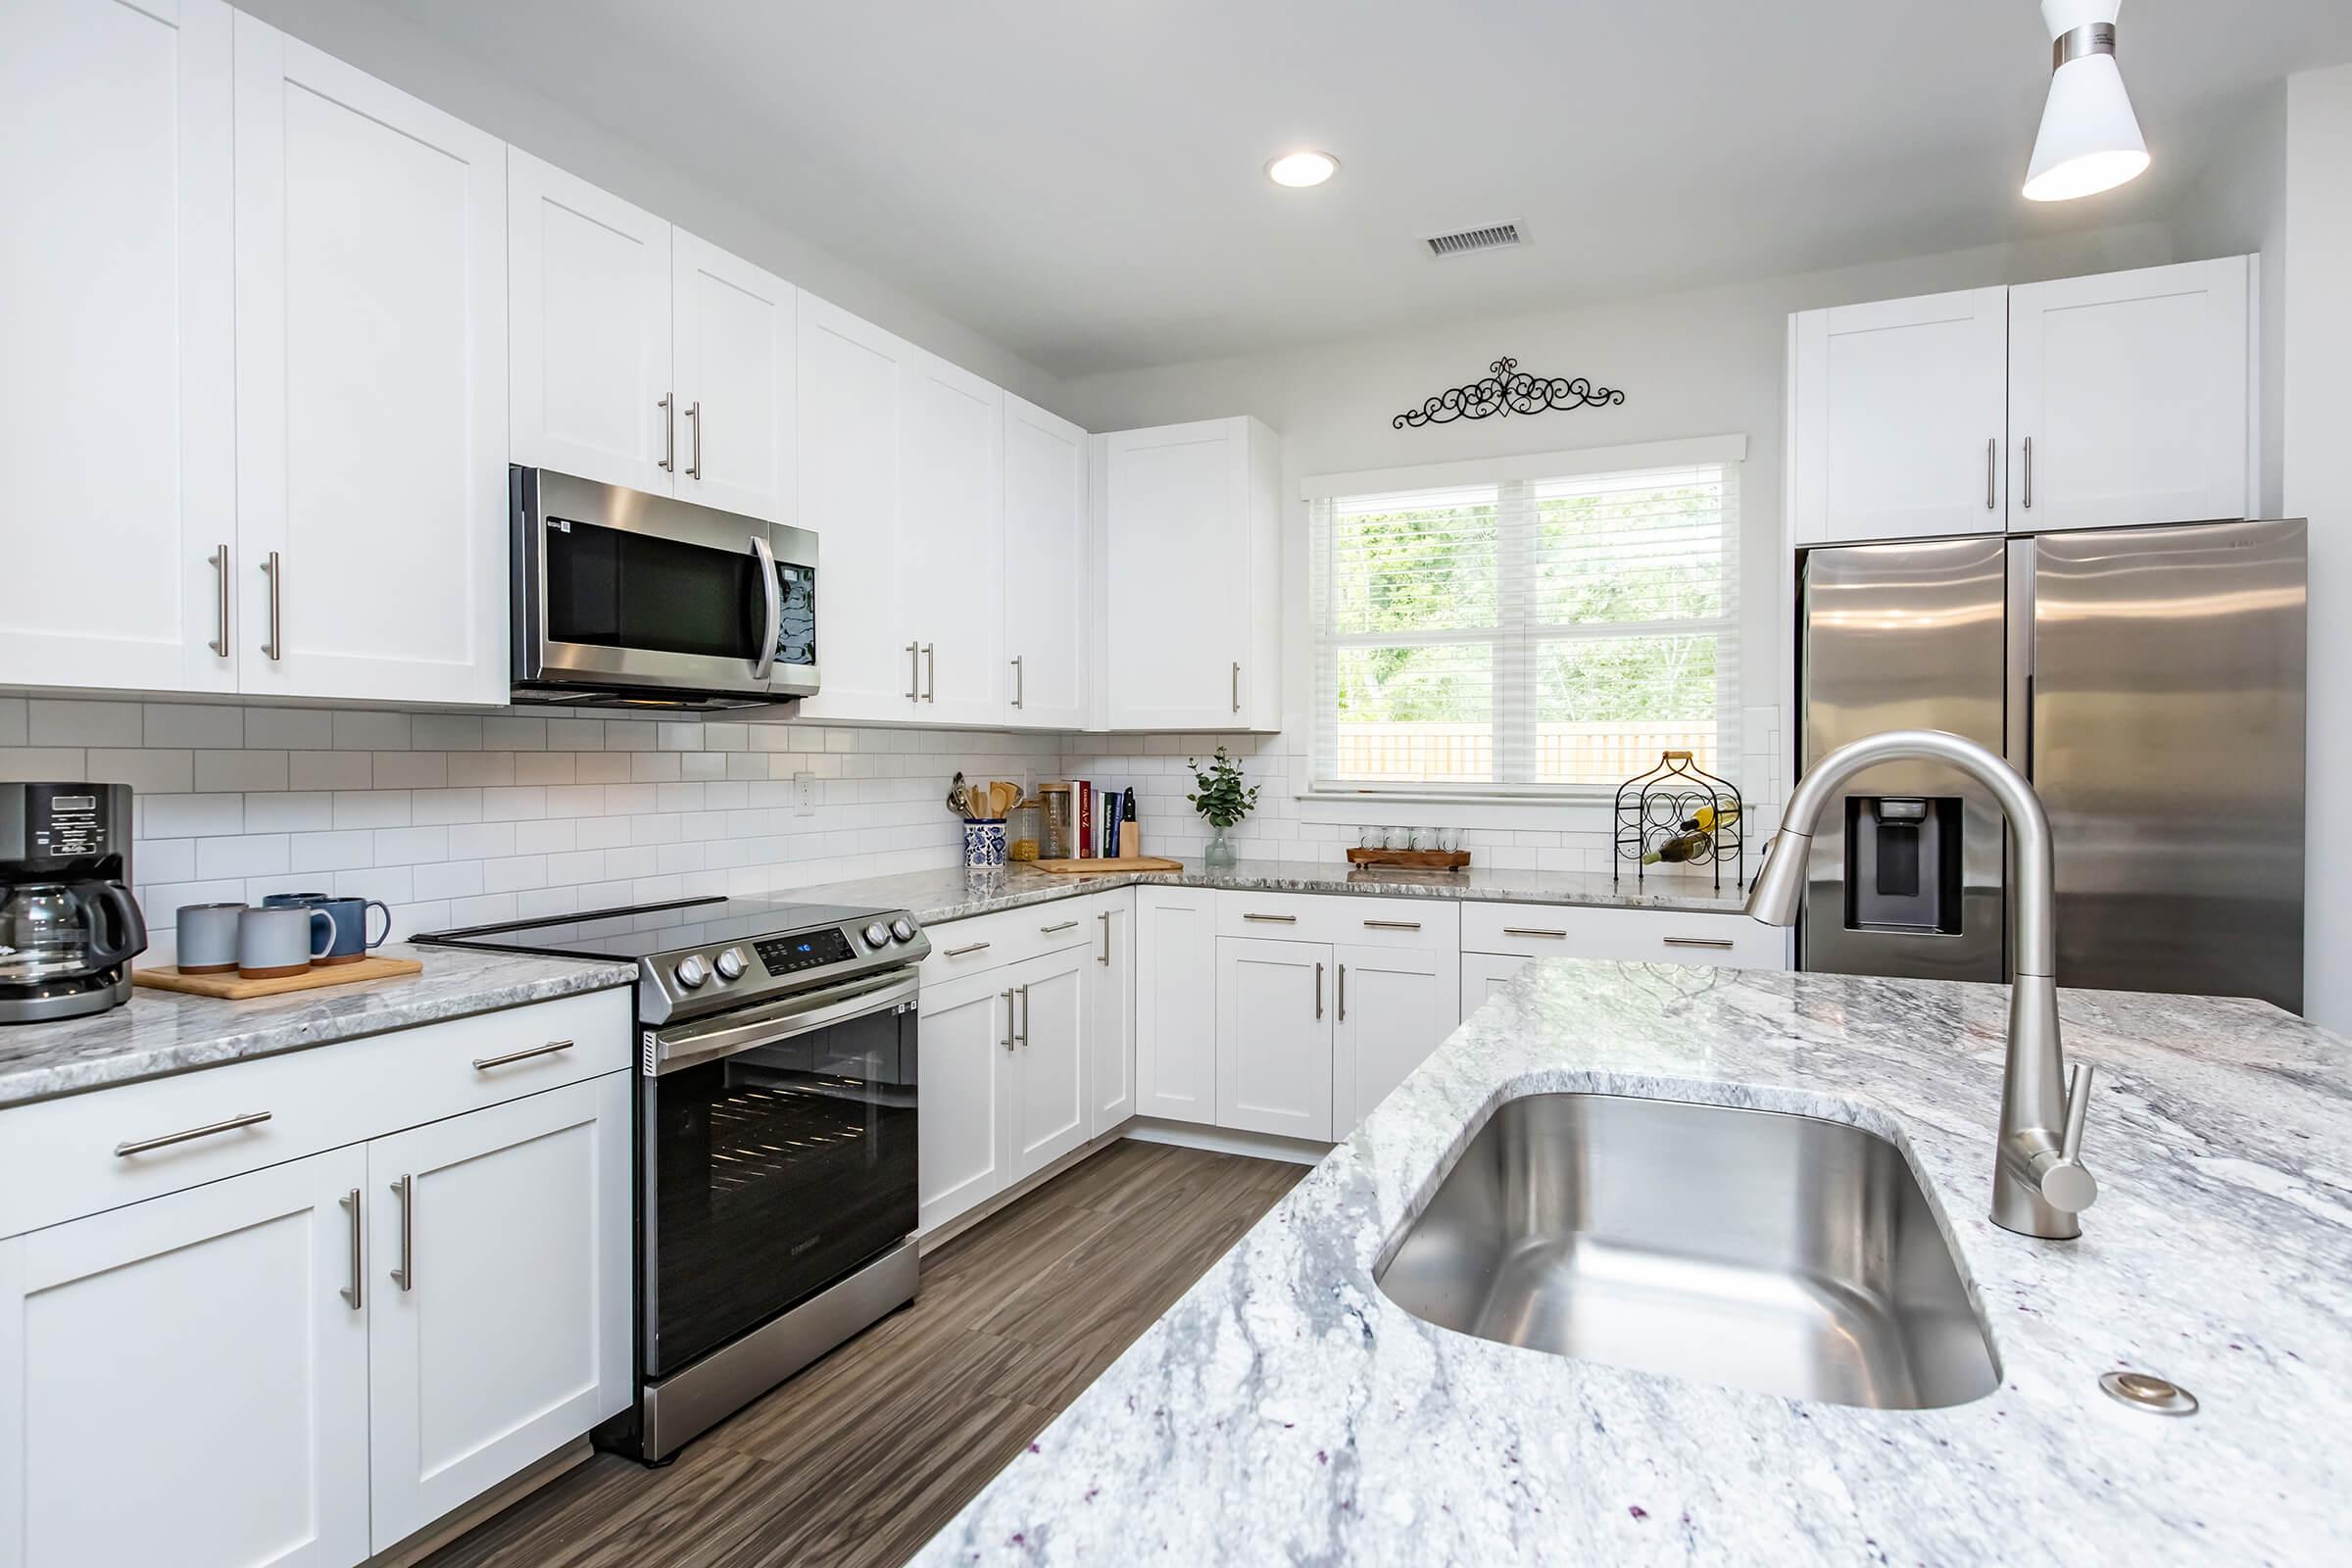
(984, 845)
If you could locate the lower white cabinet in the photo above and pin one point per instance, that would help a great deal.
(1111, 1006)
(1484, 973)
(1047, 1112)
(1274, 1037)
(1176, 1003)
(1394, 1006)
(499, 1318)
(185, 1380)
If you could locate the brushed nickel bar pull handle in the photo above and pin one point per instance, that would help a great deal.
(1273, 919)
(1991, 447)
(1007, 997)
(1105, 917)
(694, 415)
(2029, 474)
(219, 643)
(957, 952)
(353, 1293)
(1343, 993)
(914, 672)
(251, 1118)
(1237, 685)
(1318, 990)
(405, 1190)
(1534, 931)
(1049, 930)
(275, 571)
(668, 405)
(485, 1063)
(930, 672)
(1724, 943)
(1020, 682)
(1392, 925)
(1022, 992)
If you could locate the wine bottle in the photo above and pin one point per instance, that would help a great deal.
(1681, 848)
(1712, 817)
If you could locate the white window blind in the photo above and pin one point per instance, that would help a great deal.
(1528, 636)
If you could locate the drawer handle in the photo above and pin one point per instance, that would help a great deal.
(485, 1063)
(1049, 930)
(1392, 925)
(1274, 919)
(957, 952)
(1699, 942)
(251, 1118)
(1532, 931)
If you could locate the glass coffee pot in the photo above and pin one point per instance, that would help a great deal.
(60, 930)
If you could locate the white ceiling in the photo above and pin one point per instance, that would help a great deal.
(1080, 180)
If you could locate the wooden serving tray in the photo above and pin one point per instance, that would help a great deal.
(1413, 860)
(1102, 867)
(230, 986)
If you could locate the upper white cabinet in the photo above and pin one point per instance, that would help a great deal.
(1191, 575)
(1897, 421)
(735, 370)
(117, 390)
(2089, 402)
(2129, 397)
(1045, 576)
(588, 298)
(952, 535)
(371, 386)
(852, 395)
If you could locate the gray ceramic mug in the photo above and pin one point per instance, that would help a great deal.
(351, 923)
(208, 937)
(282, 940)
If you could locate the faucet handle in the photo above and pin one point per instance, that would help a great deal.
(2066, 1183)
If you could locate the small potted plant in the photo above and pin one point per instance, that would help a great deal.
(1222, 801)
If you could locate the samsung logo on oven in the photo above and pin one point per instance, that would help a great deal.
(801, 1247)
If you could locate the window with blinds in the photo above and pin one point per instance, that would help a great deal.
(1528, 636)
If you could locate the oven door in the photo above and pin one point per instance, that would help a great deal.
(618, 588)
(779, 1154)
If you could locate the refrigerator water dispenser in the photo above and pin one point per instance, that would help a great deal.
(1903, 871)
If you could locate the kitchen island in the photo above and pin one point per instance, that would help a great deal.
(1286, 1410)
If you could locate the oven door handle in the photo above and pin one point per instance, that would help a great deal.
(772, 595)
(677, 1049)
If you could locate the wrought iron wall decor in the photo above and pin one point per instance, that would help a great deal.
(1508, 390)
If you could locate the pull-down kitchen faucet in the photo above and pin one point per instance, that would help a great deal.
(2038, 1180)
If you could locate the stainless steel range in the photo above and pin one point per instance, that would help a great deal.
(776, 1195)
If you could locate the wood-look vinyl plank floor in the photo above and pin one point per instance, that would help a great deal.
(863, 1457)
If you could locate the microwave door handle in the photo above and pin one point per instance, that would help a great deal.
(772, 594)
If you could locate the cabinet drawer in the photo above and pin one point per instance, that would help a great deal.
(1645, 936)
(1340, 919)
(58, 1158)
(986, 941)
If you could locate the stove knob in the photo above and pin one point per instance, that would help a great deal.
(691, 971)
(730, 965)
(903, 929)
(877, 935)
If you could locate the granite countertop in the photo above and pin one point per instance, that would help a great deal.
(160, 1032)
(956, 894)
(1284, 1410)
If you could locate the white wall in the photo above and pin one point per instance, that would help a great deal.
(2238, 205)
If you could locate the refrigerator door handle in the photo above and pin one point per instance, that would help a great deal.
(2017, 727)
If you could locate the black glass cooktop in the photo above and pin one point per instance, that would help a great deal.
(654, 929)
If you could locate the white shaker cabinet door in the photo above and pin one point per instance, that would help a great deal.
(1394, 1005)
(1176, 1003)
(117, 390)
(371, 386)
(1050, 1110)
(499, 1267)
(1898, 418)
(184, 1381)
(1046, 568)
(1484, 974)
(952, 532)
(1110, 1010)
(961, 1126)
(851, 390)
(735, 327)
(2132, 389)
(1274, 1037)
(1176, 605)
(589, 325)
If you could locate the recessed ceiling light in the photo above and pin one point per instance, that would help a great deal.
(1303, 169)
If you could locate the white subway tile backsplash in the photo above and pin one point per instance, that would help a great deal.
(512, 804)
(546, 836)
(290, 729)
(192, 725)
(411, 770)
(218, 772)
(289, 810)
(481, 840)
(542, 767)
(372, 731)
(601, 767)
(446, 879)
(479, 769)
(428, 807)
(514, 873)
(447, 732)
(147, 773)
(13, 729)
(515, 734)
(329, 771)
(331, 851)
(177, 816)
(411, 846)
(76, 722)
(240, 854)
(575, 734)
(373, 808)
(653, 768)
(164, 860)
(24, 764)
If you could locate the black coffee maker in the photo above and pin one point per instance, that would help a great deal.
(68, 927)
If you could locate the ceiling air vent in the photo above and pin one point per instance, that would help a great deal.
(1471, 241)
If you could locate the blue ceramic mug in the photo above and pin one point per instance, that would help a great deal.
(350, 915)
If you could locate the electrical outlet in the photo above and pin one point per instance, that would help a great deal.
(804, 794)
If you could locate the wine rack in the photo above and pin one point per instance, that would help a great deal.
(1660, 812)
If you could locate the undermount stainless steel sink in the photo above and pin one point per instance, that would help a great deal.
(1783, 1254)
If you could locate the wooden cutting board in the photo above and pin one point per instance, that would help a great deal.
(232, 986)
(1102, 868)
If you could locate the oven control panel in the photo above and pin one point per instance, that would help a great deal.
(809, 949)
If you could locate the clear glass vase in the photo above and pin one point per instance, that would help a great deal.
(1220, 851)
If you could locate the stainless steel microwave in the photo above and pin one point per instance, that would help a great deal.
(627, 598)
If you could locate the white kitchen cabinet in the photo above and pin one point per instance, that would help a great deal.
(1391, 1007)
(588, 302)
(1898, 417)
(960, 1153)
(1176, 1003)
(1188, 524)
(2129, 397)
(1045, 570)
(952, 535)
(1484, 974)
(185, 1380)
(371, 404)
(1274, 1037)
(1111, 1011)
(499, 1313)
(852, 395)
(117, 386)
(735, 365)
(1047, 1108)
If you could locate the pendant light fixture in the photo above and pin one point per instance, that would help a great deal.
(2089, 139)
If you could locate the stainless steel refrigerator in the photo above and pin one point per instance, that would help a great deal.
(2151, 683)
